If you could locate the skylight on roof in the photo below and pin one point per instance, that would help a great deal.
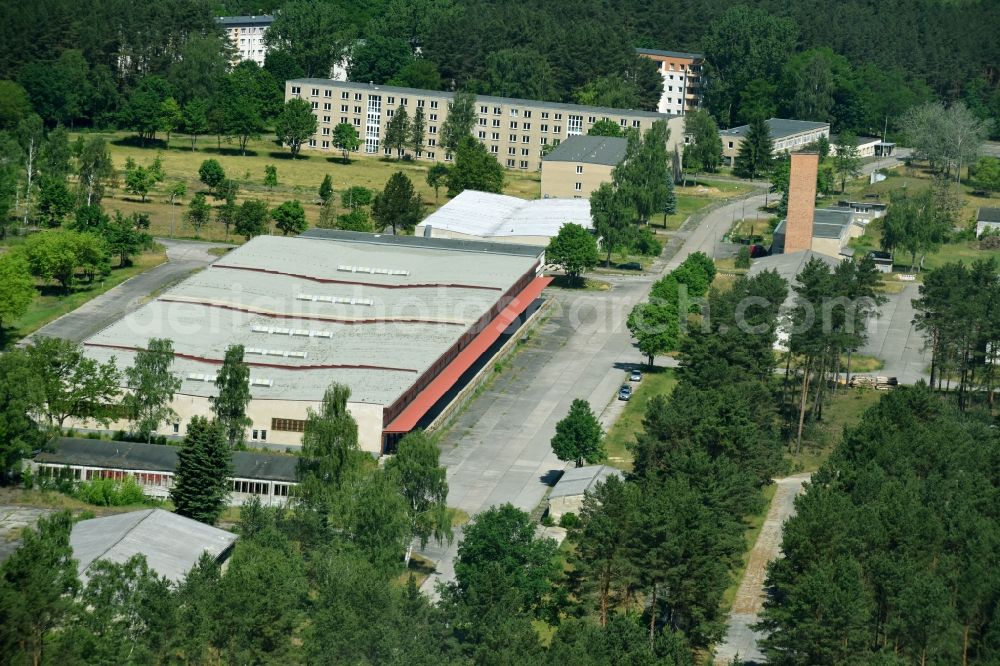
(306, 333)
(372, 271)
(275, 352)
(336, 300)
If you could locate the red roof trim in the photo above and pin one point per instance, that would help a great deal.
(373, 285)
(409, 417)
(307, 317)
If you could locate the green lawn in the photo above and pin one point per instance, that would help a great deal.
(629, 423)
(297, 179)
(52, 303)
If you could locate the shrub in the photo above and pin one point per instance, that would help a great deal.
(646, 243)
(110, 492)
(569, 520)
(743, 257)
(356, 196)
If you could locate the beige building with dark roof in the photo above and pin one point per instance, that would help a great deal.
(515, 131)
(579, 165)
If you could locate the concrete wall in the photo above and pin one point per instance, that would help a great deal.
(829, 246)
(260, 412)
(561, 180)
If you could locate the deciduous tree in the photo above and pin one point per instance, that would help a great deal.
(575, 249)
(295, 124)
(230, 405)
(17, 289)
(199, 212)
(253, 218)
(397, 132)
(290, 218)
(461, 119)
(579, 437)
(345, 137)
(474, 169)
(424, 486)
(151, 387)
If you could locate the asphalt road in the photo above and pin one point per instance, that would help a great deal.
(183, 258)
(498, 449)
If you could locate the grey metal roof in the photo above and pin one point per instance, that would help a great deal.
(172, 544)
(670, 54)
(356, 86)
(454, 245)
(233, 21)
(578, 480)
(780, 128)
(607, 150)
(788, 265)
(373, 312)
(139, 456)
(988, 215)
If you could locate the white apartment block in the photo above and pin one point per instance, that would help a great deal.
(516, 131)
(247, 35)
(681, 73)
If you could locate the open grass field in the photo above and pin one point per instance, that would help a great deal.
(52, 302)
(654, 382)
(297, 178)
(696, 195)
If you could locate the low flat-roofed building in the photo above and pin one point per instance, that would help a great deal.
(568, 493)
(500, 218)
(268, 477)
(395, 319)
(987, 220)
(864, 211)
(580, 164)
(172, 544)
(865, 145)
(788, 136)
(832, 230)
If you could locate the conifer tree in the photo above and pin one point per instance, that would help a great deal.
(204, 466)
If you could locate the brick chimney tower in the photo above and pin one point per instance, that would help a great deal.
(801, 202)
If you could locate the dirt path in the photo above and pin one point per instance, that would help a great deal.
(740, 639)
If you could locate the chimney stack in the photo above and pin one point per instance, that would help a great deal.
(801, 202)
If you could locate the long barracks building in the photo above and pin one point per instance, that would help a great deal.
(516, 131)
(399, 320)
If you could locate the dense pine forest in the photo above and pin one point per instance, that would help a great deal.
(856, 64)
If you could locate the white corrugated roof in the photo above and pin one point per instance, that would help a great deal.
(490, 215)
(171, 544)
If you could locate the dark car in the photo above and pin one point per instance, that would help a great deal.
(625, 392)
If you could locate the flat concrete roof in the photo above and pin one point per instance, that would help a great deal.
(373, 314)
(606, 150)
(490, 215)
(670, 54)
(172, 544)
(578, 480)
(788, 266)
(827, 222)
(489, 99)
(780, 128)
(234, 21)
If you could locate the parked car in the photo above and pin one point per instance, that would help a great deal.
(624, 394)
(636, 376)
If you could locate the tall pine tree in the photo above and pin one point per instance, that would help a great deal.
(204, 466)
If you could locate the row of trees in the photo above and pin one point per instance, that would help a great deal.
(658, 324)
(889, 558)
(958, 314)
(642, 186)
(660, 544)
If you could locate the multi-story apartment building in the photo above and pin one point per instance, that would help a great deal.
(681, 74)
(516, 131)
(247, 35)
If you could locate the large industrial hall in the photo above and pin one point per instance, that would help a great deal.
(399, 320)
